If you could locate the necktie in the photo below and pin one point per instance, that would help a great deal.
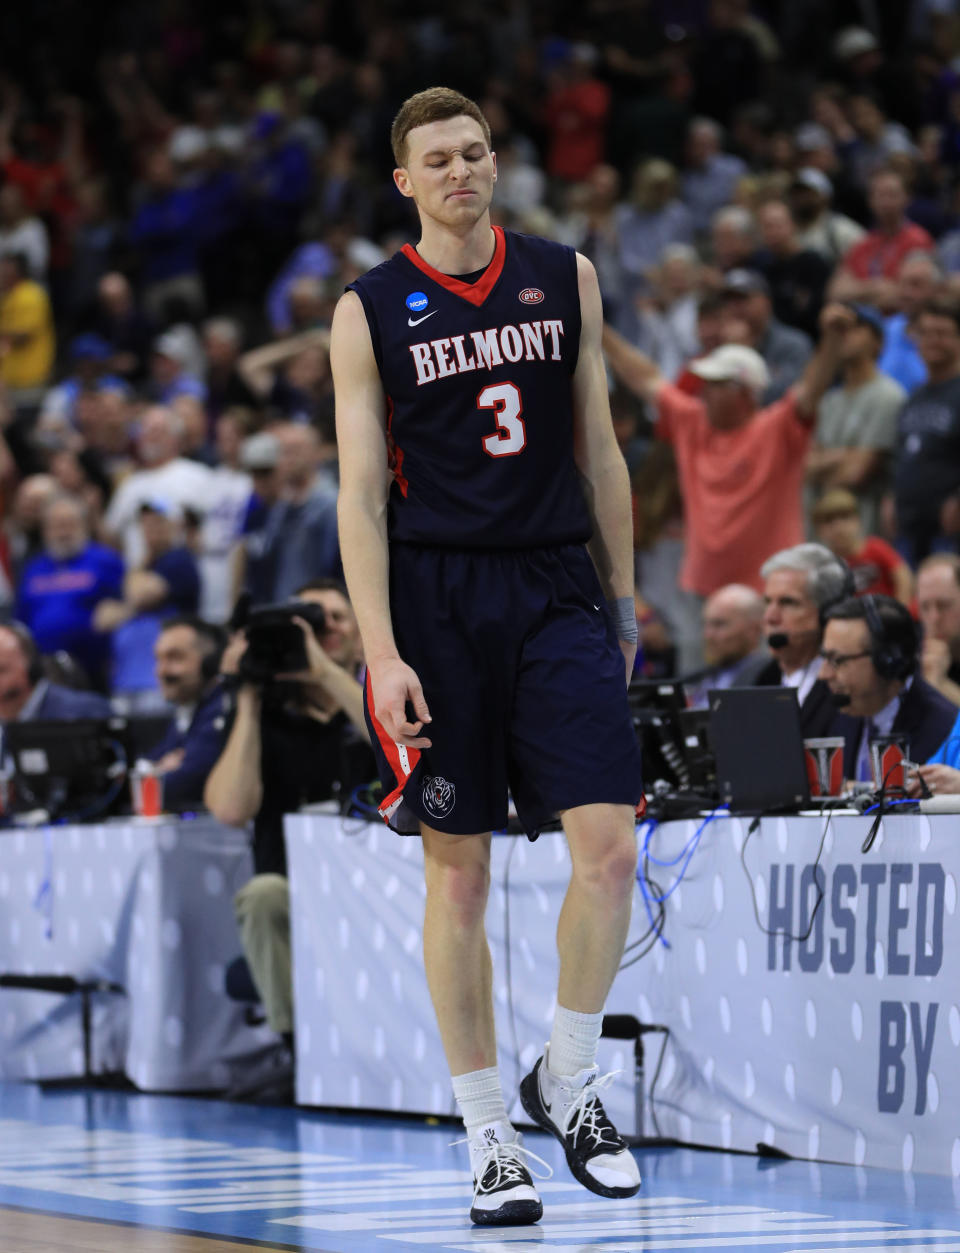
(864, 767)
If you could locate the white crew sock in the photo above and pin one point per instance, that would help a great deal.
(480, 1098)
(573, 1042)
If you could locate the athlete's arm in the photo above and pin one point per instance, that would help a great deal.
(632, 367)
(598, 456)
(835, 319)
(362, 513)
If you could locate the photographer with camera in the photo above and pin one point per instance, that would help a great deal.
(298, 737)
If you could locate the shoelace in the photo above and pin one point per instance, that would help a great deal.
(510, 1168)
(587, 1114)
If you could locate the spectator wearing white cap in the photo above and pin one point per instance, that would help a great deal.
(860, 66)
(740, 465)
(819, 227)
(818, 146)
(175, 366)
(251, 562)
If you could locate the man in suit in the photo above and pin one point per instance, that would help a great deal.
(732, 642)
(187, 658)
(869, 661)
(800, 584)
(25, 692)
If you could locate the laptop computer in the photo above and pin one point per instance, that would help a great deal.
(758, 745)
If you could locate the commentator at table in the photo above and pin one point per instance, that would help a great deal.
(869, 661)
(25, 692)
(800, 584)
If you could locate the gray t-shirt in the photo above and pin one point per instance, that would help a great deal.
(863, 417)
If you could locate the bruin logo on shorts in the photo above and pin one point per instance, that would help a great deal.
(531, 296)
(439, 796)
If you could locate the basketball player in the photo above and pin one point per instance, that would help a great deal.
(469, 377)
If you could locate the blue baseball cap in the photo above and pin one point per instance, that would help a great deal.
(868, 316)
(90, 348)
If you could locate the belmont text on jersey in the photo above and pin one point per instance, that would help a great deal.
(478, 378)
(482, 350)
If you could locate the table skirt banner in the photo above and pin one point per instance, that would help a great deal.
(146, 905)
(829, 1031)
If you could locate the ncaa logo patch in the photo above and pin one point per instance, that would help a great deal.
(531, 296)
(416, 301)
(439, 796)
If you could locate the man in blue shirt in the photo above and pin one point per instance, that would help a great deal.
(917, 282)
(166, 232)
(187, 657)
(61, 588)
(300, 540)
(167, 583)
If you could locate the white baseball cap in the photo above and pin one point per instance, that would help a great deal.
(733, 363)
(853, 41)
(815, 179)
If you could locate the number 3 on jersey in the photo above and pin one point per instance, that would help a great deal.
(511, 434)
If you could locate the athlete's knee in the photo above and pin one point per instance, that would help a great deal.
(264, 901)
(609, 867)
(460, 890)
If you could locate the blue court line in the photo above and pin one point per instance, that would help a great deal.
(309, 1180)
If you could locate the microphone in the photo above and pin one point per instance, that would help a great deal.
(780, 639)
(840, 699)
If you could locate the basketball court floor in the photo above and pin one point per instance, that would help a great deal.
(105, 1171)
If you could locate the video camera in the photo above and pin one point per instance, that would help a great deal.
(275, 643)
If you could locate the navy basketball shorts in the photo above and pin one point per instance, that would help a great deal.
(525, 683)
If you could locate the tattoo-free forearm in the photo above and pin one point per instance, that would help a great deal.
(234, 790)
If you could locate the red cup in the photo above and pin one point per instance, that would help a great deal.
(887, 755)
(824, 756)
(146, 792)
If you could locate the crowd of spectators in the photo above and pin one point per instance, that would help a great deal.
(185, 192)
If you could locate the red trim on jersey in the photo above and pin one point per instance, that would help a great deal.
(395, 453)
(391, 750)
(475, 293)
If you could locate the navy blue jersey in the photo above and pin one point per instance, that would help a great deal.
(479, 385)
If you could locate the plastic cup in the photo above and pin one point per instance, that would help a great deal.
(146, 791)
(824, 756)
